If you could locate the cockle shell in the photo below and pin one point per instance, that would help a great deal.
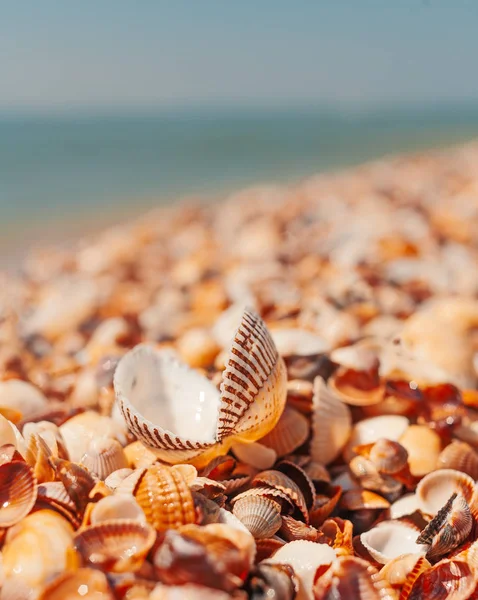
(18, 492)
(77, 481)
(390, 539)
(119, 506)
(279, 481)
(406, 505)
(116, 546)
(291, 431)
(388, 456)
(9, 434)
(448, 579)
(404, 569)
(180, 413)
(370, 430)
(435, 489)
(259, 514)
(331, 424)
(165, 498)
(38, 547)
(423, 446)
(305, 558)
(354, 395)
(103, 457)
(37, 456)
(459, 456)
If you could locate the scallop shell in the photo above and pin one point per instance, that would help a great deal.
(116, 546)
(435, 489)
(18, 492)
(331, 424)
(68, 586)
(165, 498)
(280, 481)
(259, 514)
(301, 478)
(388, 456)
(460, 457)
(305, 558)
(423, 446)
(390, 539)
(404, 570)
(119, 506)
(269, 492)
(103, 457)
(291, 431)
(153, 389)
(450, 526)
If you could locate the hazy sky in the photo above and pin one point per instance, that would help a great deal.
(127, 53)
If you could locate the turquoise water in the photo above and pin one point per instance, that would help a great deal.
(69, 167)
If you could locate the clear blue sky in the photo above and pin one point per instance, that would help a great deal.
(130, 53)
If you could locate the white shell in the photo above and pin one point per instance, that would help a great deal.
(331, 424)
(255, 454)
(22, 396)
(435, 489)
(370, 430)
(299, 342)
(305, 558)
(104, 456)
(390, 539)
(406, 505)
(120, 506)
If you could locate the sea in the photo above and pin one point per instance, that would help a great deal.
(65, 174)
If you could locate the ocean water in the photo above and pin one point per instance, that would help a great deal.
(56, 171)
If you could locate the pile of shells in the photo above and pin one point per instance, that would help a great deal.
(275, 397)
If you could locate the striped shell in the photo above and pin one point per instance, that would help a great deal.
(331, 424)
(116, 546)
(259, 514)
(290, 433)
(181, 415)
(435, 489)
(461, 457)
(103, 457)
(18, 492)
(279, 481)
(165, 498)
(388, 456)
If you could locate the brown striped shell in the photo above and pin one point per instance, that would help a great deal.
(388, 456)
(448, 579)
(461, 457)
(290, 433)
(435, 489)
(165, 498)
(259, 514)
(103, 457)
(168, 405)
(116, 546)
(18, 492)
(279, 481)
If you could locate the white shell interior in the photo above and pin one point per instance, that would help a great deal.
(370, 430)
(298, 341)
(435, 489)
(169, 394)
(391, 539)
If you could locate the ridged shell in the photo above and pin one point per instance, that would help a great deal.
(292, 530)
(165, 498)
(116, 546)
(435, 489)
(114, 479)
(459, 456)
(305, 558)
(56, 492)
(338, 534)
(331, 424)
(280, 481)
(18, 492)
(77, 481)
(119, 506)
(363, 499)
(9, 453)
(70, 586)
(447, 580)
(37, 456)
(290, 433)
(450, 526)
(259, 514)
(388, 456)
(301, 478)
(390, 539)
(269, 492)
(404, 571)
(103, 457)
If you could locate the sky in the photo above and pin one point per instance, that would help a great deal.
(117, 54)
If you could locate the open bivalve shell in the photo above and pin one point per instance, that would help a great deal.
(182, 416)
(436, 488)
(391, 539)
(18, 492)
(116, 546)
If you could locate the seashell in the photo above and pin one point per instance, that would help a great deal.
(197, 347)
(87, 584)
(298, 342)
(447, 579)
(113, 508)
(390, 539)
(363, 499)
(280, 481)
(324, 503)
(435, 489)
(259, 514)
(404, 570)
(78, 431)
(18, 492)
(114, 479)
(77, 481)
(220, 467)
(356, 388)
(450, 526)
(371, 430)
(55, 492)
(331, 424)
(252, 397)
(460, 457)
(423, 446)
(116, 546)
(278, 495)
(305, 558)
(184, 592)
(103, 457)
(266, 548)
(8, 453)
(369, 478)
(301, 478)
(291, 431)
(388, 456)
(37, 456)
(351, 577)
(292, 530)
(406, 505)
(50, 434)
(204, 483)
(165, 498)
(338, 534)
(217, 556)
(22, 397)
(299, 391)
(316, 471)
(9, 434)
(39, 547)
(138, 455)
(255, 454)
(273, 581)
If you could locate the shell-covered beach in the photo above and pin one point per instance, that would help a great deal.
(271, 397)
